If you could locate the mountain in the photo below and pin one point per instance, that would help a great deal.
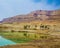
(38, 15)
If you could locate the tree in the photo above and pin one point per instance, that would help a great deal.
(46, 27)
(42, 27)
(25, 34)
(12, 31)
(27, 27)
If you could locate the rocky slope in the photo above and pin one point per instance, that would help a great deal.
(38, 15)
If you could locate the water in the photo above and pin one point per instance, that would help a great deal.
(4, 42)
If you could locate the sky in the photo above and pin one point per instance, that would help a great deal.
(9, 8)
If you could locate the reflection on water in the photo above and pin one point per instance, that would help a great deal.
(4, 42)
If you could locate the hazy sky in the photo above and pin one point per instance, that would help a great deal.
(10, 8)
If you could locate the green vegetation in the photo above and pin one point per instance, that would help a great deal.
(21, 37)
(16, 37)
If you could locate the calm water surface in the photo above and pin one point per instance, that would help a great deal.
(4, 42)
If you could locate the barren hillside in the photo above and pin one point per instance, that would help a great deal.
(38, 15)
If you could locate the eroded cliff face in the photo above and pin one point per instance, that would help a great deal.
(33, 21)
(39, 15)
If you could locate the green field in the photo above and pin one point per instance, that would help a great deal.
(22, 37)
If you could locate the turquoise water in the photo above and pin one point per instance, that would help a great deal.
(4, 42)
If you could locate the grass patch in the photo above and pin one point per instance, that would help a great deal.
(22, 37)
